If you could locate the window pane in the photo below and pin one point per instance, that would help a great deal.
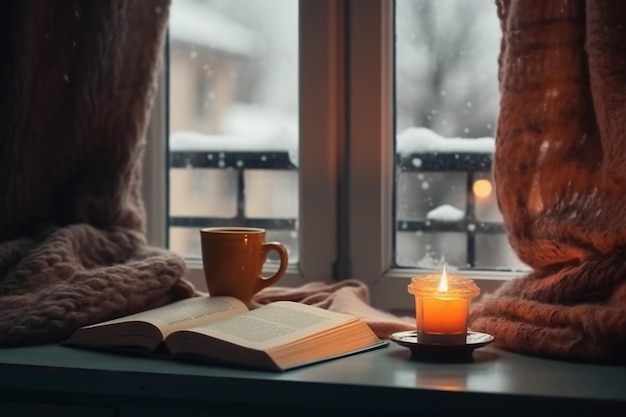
(233, 119)
(445, 113)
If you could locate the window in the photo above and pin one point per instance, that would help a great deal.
(233, 136)
(383, 169)
(446, 103)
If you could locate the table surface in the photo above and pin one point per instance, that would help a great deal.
(384, 379)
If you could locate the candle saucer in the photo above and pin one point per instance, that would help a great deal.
(409, 339)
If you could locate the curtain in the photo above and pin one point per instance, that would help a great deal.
(77, 81)
(560, 173)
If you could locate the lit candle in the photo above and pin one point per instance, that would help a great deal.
(441, 307)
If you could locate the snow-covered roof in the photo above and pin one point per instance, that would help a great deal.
(189, 141)
(421, 140)
(199, 24)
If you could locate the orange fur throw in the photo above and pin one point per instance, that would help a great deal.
(560, 172)
(77, 80)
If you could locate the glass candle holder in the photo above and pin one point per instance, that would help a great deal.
(441, 307)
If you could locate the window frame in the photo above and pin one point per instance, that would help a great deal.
(346, 155)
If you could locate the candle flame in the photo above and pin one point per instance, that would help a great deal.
(443, 280)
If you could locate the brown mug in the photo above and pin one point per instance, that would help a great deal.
(233, 258)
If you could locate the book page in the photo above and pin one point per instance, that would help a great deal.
(275, 324)
(184, 314)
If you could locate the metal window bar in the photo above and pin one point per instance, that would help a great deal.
(470, 163)
(239, 161)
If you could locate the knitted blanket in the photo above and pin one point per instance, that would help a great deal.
(560, 172)
(77, 80)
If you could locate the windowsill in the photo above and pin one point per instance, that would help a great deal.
(380, 381)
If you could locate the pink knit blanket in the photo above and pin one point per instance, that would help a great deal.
(77, 80)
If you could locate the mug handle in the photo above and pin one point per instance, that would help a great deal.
(282, 251)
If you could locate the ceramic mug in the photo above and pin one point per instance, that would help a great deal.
(233, 258)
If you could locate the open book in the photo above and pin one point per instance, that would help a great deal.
(278, 336)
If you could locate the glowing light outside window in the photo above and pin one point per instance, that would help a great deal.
(482, 188)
